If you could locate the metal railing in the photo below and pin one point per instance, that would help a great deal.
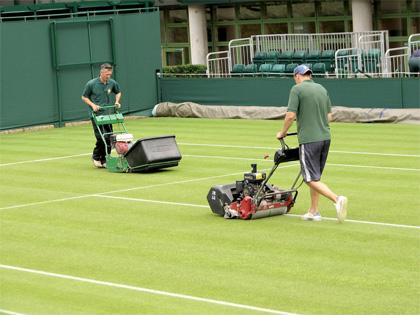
(371, 47)
(396, 62)
(218, 64)
(413, 43)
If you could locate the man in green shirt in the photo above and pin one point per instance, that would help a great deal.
(98, 92)
(310, 105)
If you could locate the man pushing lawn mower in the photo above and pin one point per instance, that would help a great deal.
(310, 105)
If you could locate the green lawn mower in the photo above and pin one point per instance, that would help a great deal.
(126, 156)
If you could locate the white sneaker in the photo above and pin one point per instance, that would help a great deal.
(341, 207)
(98, 164)
(312, 217)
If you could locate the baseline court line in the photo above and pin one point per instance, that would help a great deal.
(146, 290)
(216, 145)
(272, 148)
(290, 215)
(45, 160)
(120, 190)
(7, 312)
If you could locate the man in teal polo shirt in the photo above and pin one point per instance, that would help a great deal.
(310, 105)
(98, 92)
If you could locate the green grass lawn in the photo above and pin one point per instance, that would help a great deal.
(133, 232)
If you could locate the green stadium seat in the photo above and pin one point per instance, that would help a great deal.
(238, 68)
(272, 57)
(251, 68)
(265, 68)
(285, 57)
(319, 69)
(371, 60)
(328, 58)
(259, 57)
(299, 56)
(313, 56)
(290, 67)
(278, 68)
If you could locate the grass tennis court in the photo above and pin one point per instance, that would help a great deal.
(80, 240)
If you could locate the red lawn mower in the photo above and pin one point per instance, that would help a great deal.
(253, 197)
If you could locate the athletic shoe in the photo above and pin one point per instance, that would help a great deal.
(312, 217)
(341, 207)
(98, 164)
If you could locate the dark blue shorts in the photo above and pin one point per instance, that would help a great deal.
(313, 157)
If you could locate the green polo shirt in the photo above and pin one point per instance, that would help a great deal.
(311, 103)
(101, 93)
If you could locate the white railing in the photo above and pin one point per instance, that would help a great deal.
(396, 62)
(413, 43)
(320, 41)
(240, 52)
(371, 45)
(218, 64)
(348, 62)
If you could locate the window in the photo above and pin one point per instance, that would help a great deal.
(225, 33)
(396, 26)
(303, 9)
(275, 28)
(331, 8)
(415, 25)
(331, 26)
(249, 12)
(248, 30)
(303, 27)
(177, 56)
(178, 16)
(394, 6)
(225, 13)
(177, 35)
(276, 10)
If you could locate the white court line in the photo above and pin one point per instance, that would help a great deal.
(45, 160)
(291, 215)
(297, 163)
(146, 290)
(213, 145)
(123, 190)
(272, 148)
(3, 311)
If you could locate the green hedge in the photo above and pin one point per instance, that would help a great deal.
(185, 69)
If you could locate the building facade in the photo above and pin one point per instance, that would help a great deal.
(191, 28)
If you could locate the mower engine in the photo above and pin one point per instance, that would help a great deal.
(250, 198)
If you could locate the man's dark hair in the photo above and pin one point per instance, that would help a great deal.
(106, 66)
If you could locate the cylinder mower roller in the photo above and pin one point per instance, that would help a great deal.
(124, 155)
(253, 197)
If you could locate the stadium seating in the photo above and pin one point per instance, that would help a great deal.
(285, 57)
(319, 69)
(251, 68)
(299, 56)
(290, 67)
(272, 57)
(371, 60)
(238, 68)
(265, 68)
(278, 68)
(328, 58)
(260, 57)
(313, 56)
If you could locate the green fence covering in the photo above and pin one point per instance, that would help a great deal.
(363, 93)
(46, 63)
